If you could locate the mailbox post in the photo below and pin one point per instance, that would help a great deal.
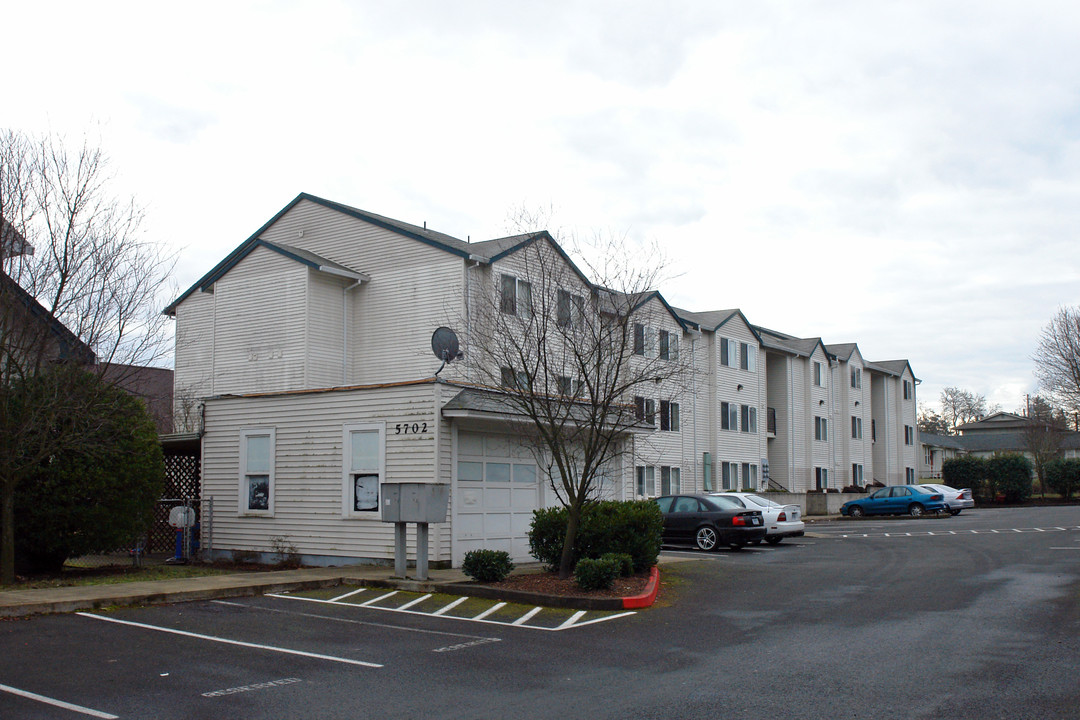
(419, 503)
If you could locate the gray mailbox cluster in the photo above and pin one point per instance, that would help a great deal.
(413, 502)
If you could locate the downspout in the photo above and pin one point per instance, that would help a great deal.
(694, 335)
(345, 332)
(471, 263)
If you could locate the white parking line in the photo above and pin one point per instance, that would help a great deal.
(572, 619)
(493, 608)
(381, 597)
(417, 601)
(451, 606)
(527, 616)
(226, 641)
(57, 703)
(347, 595)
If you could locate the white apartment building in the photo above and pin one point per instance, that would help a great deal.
(307, 351)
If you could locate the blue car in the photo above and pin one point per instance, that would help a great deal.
(913, 500)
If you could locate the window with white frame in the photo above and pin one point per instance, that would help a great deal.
(257, 449)
(749, 476)
(364, 457)
(909, 474)
(821, 477)
(515, 296)
(669, 415)
(856, 378)
(570, 310)
(670, 480)
(669, 345)
(646, 481)
(514, 379)
(644, 340)
(908, 392)
(749, 418)
(928, 456)
(821, 428)
(729, 475)
(747, 357)
(729, 352)
(729, 416)
(819, 375)
(645, 409)
(909, 435)
(856, 474)
(856, 428)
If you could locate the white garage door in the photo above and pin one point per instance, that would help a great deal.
(497, 490)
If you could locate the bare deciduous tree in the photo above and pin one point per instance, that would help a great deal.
(564, 352)
(80, 286)
(960, 406)
(1043, 434)
(1057, 359)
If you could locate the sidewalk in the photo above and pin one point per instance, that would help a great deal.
(18, 603)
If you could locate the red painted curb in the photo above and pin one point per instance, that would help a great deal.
(648, 597)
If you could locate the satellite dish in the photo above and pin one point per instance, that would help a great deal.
(444, 344)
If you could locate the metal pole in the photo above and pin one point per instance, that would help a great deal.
(399, 549)
(422, 551)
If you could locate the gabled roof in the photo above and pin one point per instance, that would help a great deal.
(486, 252)
(895, 368)
(12, 243)
(943, 441)
(70, 346)
(637, 300)
(842, 351)
(800, 347)
(713, 320)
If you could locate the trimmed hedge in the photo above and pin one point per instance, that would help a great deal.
(487, 565)
(1063, 477)
(633, 527)
(1009, 475)
(596, 574)
(967, 471)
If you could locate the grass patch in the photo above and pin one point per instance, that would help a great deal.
(78, 577)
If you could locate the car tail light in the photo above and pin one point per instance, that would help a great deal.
(962, 495)
(740, 520)
(782, 518)
(937, 497)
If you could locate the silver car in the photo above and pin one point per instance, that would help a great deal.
(955, 500)
(781, 521)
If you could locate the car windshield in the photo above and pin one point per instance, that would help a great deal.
(724, 503)
(763, 502)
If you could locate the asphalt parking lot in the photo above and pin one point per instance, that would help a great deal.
(975, 616)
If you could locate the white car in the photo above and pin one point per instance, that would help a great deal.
(781, 521)
(955, 500)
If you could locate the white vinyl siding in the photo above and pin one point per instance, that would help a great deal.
(307, 492)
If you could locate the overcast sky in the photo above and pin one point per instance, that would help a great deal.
(901, 175)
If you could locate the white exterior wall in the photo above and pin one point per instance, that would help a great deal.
(326, 331)
(781, 447)
(852, 402)
(414, 289)
(733, 385)
(309, 508)
(666, 448)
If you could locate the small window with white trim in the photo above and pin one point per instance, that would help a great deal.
(363, 461)
(257, 471)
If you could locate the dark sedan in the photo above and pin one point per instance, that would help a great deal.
(709, 522)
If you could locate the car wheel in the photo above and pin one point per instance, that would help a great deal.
(915, 510)
(954, 513)
(706, 538)
(855, 511)
(773, 539)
